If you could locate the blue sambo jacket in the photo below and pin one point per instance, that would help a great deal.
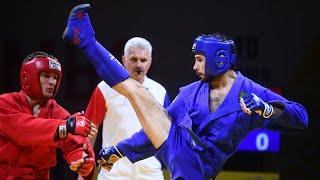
(216, 135)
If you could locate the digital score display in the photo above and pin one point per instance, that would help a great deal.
(261, 140)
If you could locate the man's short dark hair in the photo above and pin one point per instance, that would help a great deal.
(37, 54)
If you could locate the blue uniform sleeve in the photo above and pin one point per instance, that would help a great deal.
(137, 147)
(292, 120)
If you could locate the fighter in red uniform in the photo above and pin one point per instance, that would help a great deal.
(33, 125)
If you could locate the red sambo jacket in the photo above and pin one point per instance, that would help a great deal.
(27, 145)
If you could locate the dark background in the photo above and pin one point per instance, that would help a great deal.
(278, 47)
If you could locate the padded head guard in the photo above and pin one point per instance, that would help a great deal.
(219, 52)
(31, 68)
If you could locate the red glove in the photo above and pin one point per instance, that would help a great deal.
(86, 167)
(83, 166)
(78, 125)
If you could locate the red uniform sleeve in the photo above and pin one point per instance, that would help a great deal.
(59, 112)
(23, 128)
(96, 108)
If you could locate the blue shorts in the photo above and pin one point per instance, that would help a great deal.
(178, 155)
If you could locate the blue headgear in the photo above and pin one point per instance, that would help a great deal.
(219, 53)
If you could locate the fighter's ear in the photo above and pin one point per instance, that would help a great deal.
(221, 59)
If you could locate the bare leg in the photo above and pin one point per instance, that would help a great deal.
(152, 116)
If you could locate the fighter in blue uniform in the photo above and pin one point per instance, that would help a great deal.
(207, 120)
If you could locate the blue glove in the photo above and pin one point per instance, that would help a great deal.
(80, 33)
(256, 104)
(108, 156)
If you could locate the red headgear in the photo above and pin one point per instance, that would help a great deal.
(30, 74)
